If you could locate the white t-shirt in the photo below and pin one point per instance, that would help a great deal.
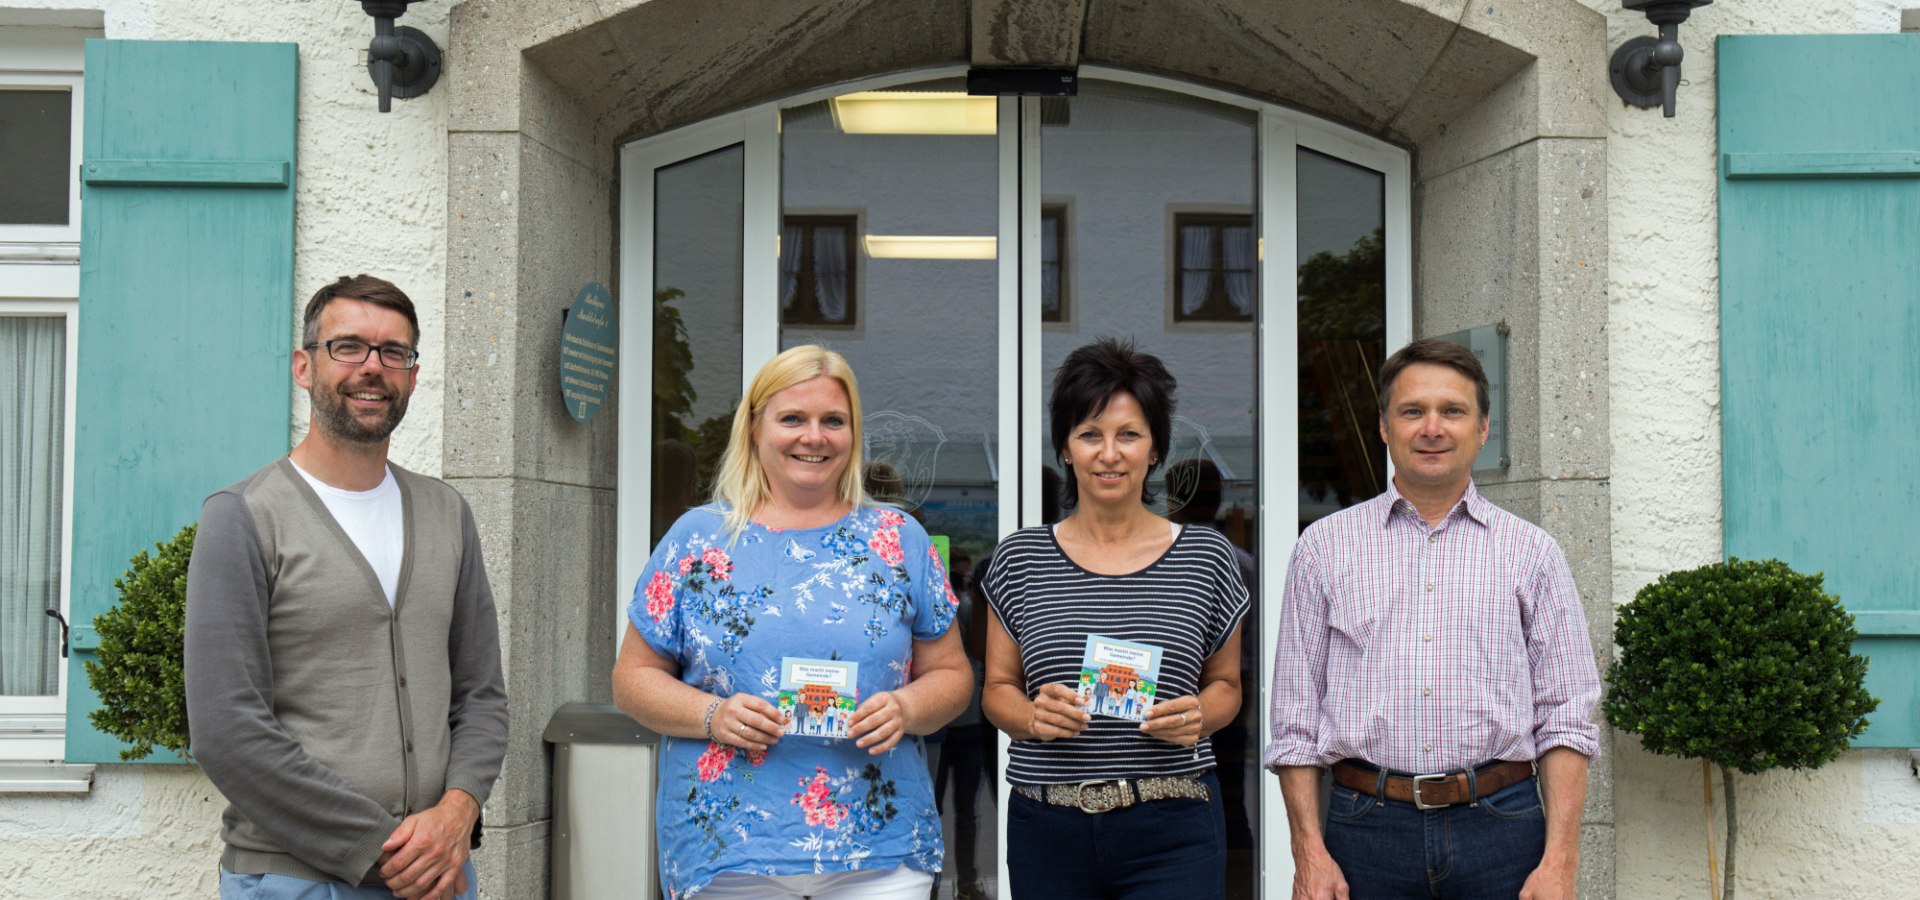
(374, 520)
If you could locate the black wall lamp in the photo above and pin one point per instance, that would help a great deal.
(403, 61)
(1646, 71)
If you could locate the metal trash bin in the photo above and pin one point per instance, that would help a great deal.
(604, 782)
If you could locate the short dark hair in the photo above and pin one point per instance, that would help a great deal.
(365, 288)
(1438, 353)
(1089, 379)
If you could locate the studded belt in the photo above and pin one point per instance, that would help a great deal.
(1106, 796)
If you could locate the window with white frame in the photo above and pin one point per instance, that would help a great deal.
(40, 123)
(35, 357)
(40, 119)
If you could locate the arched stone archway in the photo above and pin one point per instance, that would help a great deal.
(1502, 106)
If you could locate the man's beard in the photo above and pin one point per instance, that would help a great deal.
(338, 421)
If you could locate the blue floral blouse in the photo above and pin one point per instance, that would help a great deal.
(861, 589)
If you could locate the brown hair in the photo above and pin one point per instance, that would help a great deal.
(1438, 353)
(365, 288)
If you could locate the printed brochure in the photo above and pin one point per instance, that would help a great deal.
(1118, 678)
(818, 696)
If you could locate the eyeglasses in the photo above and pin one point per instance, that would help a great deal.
(347, 350)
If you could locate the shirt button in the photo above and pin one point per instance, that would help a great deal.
(1429, 585)
(1432, 537)
(1428, 747)
(409, 746)
(1426, 637)
(403, 681)
(1426, 691)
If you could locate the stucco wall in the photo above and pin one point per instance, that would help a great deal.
(1848, 830)
(143, 831)
(371, 198)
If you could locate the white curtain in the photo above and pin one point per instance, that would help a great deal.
(1238, 254)
(791, 243)
(33, 370)
(1196, 252)
(830, 272)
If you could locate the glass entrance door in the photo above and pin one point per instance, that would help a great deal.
(955, 249)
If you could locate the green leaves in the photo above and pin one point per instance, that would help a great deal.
(138, 672)
(673, 392)
(1747, 664)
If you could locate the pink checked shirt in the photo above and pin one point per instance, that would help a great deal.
(1428, 649)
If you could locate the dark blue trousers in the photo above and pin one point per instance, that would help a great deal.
(1389, 849)
(1162, 848)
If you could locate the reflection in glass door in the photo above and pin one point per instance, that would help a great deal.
(695, 327)
(1342, 333)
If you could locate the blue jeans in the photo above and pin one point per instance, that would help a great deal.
(286, 887)
(1162, 848)
(1389, 849)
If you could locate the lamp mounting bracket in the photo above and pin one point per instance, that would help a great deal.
(402, 61)
(1645, 71)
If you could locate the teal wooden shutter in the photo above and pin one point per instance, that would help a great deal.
(1820, 331)
(186, 292)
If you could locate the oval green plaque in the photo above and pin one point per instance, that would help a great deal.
(588, 347)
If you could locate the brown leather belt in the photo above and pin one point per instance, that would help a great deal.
(1432, 791)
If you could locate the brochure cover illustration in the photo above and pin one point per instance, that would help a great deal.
(1118, 678)
(818, 696)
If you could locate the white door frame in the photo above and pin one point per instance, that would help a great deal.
(757, 131)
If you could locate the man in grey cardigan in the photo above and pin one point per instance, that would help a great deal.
(343, 658)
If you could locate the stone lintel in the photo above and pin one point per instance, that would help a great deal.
(1026, 32)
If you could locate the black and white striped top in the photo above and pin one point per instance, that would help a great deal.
(1186, 603)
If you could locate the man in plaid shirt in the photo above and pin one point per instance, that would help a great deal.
(1433, 654)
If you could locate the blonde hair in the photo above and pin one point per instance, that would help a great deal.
(741, 483)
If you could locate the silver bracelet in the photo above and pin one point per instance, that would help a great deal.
(706, 724)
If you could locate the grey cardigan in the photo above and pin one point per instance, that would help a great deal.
(324, 715)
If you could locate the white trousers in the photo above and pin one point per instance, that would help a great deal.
(875, 884)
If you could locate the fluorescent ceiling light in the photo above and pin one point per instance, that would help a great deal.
(931, 247)
(899, 112)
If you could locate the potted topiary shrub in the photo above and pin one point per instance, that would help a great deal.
(1745, 665)
(138, 671)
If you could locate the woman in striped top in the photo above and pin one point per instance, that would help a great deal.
(1103, 805)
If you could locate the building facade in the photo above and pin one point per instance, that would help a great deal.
(1271, 196)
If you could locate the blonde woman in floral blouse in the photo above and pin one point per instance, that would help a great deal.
(791, 560)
